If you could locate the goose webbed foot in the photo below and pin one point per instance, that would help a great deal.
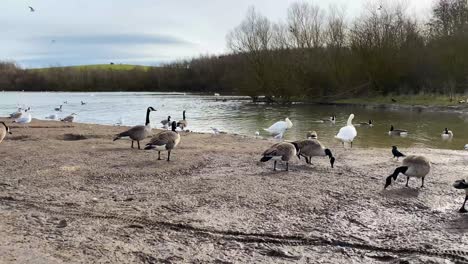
(462, 210)
(159, 155)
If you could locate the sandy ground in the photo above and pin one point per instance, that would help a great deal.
(68, 194)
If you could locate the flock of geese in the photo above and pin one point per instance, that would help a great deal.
(412, 166)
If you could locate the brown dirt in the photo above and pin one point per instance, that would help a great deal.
(69, 194)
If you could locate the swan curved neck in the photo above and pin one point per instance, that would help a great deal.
(350, 120)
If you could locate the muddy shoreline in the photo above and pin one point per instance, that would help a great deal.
(68, 194)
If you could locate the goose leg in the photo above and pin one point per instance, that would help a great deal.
(308, 160)
(287, 166)
(132, 143)
(159, 155)
(462, 209)
(407, 180)
(351, 144)
(138, 141)
(274, 166)
(422, 182)
(168, 155)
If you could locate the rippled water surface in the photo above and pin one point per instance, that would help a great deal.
(243, 117)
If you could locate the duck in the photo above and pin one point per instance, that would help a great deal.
(166, 140)
(166, 122)
(331, 119)
(397, 154)
(138, 133)
(59, 109)
(348, 132)
(25, 118)
(4, 131)
(462, 185)
(446, 134)
(69, 118)
(279, 128)
(311, 135)
(397, 132)
(182, 123)
(311, 148)
(369, 123)
(413, 166)
(284, 151)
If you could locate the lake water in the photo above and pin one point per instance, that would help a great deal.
(242, 117)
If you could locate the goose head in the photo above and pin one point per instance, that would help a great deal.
(391, 128)
(460, 184)
(446, 131)
(151, 109)
(7, 128)
(174, 126)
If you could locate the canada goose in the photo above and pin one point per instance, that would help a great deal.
(24, 119)
(347, 133)
(397, 154)
(447, 133)
(413, 166)
(310, 148)
(331, 119)
(4, 130)
(397, 132)
(182, 123)
(69, 118)
(166, 122)
(367, 123)
(279, 128)
(462, 185)
(311, 135)
(138, 133)
(166, 140)
(58, 109)
(284, 151)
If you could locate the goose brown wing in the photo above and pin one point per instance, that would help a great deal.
(167, 138)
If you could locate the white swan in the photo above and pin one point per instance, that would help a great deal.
(24, 119)
(466, 147)
(279, 128)
(348, 132)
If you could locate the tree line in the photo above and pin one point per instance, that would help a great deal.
(315, 54)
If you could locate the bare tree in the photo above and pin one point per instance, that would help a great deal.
(305, 23)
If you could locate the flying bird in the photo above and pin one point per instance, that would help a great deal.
(31, 9)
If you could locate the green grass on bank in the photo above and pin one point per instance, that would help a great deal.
(426, 100)
(116, 67)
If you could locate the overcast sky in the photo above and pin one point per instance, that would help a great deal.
(149, 32)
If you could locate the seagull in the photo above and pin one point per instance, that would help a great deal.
(52, 117)
(215, 130)
(31, 9)
(24, 119)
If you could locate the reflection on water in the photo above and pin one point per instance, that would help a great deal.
(242, 117)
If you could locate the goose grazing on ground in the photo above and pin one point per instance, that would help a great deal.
(369, 123)
(58, 109)
(166, 122)
(413, 166)
(69, 118)
(166, 140)
(311, 135)
(397, 132)
(397, 154)
(138, 133)
(447, 134)
(26, 118)
(280, 151)
(182, 123)
(462, 185)
(4, 130)
(279, 128)
(347, 133)
(311, 148)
